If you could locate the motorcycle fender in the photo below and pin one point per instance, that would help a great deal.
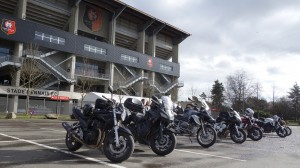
(111, 134)
(234, 128)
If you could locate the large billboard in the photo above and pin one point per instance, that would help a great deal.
(93, 20)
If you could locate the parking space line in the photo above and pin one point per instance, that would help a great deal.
(41, 140)
(47, 129)
(223, 157)
(10, 141)
(63, 151)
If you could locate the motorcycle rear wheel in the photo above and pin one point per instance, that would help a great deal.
(255, 134)
(206, 140)
(71, 143)
(163, 145)
(120, 153)
(238, 139)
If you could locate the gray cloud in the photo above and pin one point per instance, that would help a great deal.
(229, 35)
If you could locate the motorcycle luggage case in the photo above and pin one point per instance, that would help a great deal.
(134, 105)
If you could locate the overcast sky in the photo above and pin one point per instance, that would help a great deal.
(261, 37)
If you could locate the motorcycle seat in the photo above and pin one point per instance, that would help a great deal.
(79, 114)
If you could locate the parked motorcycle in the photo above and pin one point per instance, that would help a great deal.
(99, 127)
(269, 125)
(196, 122)
(253, 130)
(228, 122)
(151, 128)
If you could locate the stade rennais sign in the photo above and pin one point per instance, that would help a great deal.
(31, 92)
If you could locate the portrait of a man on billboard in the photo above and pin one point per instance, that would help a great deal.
(92, 18)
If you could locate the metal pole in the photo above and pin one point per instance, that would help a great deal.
(7, 103)
(58, 83)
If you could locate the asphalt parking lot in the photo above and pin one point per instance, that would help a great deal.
(40, 143)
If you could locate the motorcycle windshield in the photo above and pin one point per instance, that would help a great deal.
(205, 105)
(168, 108)
(237, 116)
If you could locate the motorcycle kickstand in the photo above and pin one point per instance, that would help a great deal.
(190, 139)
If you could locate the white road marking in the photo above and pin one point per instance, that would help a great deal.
(63, 151)
(47, 129)
(223, 157)
(10, 141)
(40, 140)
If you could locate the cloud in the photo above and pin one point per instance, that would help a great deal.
(261, 37)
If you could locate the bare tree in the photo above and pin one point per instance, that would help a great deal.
(238, 88)
(193, 91)
(120, 94)
(84, 81)
(149, 91)
(32, 73)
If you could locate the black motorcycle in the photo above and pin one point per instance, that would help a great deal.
(99, 127)
(196, 122)
(151, 128)
(228, 122)
(269, 125)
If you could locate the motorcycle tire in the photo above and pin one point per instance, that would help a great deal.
(209, 139)
(121, 153)
(282, 133)
(255, 134)
(163, 145)
(288, 131)
(71, 143)
(235, 138)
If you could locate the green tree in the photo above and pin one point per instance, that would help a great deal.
(203, 96)
(217, 94)
(294, 96)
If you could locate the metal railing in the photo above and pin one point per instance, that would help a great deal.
(129, 82)
(165, 88)
(9, 58)
(91, 74)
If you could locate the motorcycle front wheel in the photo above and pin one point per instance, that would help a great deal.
(207, 138)
(288, 131)
(282, 133)
(238, 137)
(255, 134)
(163, 145)
(119, 153)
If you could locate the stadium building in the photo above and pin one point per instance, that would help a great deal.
(54, 50)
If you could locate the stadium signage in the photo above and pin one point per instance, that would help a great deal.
(31, 92)
(8, 26)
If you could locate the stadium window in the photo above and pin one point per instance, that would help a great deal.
(94, 49)
(49, 38)
(129, 58)
(166, 67)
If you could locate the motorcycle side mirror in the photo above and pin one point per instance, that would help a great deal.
(190, 99)
(110, 89)
(154, 98)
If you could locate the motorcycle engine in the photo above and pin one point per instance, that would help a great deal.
(220, 126)
(91, 135)
(184, 125)
(186, 128)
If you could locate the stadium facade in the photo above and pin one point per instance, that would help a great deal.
(73, 42)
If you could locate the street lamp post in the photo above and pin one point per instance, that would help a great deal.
(57, 97)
